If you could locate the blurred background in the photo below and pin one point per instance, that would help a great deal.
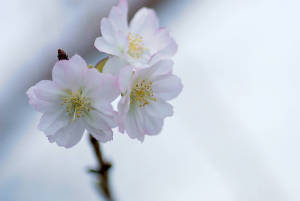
(235, 132)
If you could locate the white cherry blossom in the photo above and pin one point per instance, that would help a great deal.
(77, 99)
(145, 92)
(141, 43)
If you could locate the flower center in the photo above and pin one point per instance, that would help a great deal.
(142, 93)
(135, 46)
(76, 104)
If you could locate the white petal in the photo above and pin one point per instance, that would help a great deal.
(109, 116)
(52, 121)
(68, 136)
(118, 16)
(101, 86)
(114, 65)
(78, 64)
(107, 31)
(165, 53)
(158, 41)
(144, 22)
(108, 88)
(134, 126)
(39, 105)
(152, 125)
(123, 108)
(100, 121)
(47, 90)
(68, 74)
(163, 67)
(124, 79)
(58, 72)
(104, 46)
(167, 87)
(101, 135)
(159, 109)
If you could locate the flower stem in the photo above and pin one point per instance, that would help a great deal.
(102, 171)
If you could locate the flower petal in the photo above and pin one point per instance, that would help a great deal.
(125, 78)
(68, 74)
(100, 86)
(114, 65)
(123, 108)
(39, 105)
(159, 109)
(103, 46)
(108, 88)
(152, 124)
(134, 126)
(167, 87)
(144, 22)
(101, 135)
(47, 90)
(69, 135)
(108, 31)
(54, 120)
(165, 53)
(158, 41)
(100, 121)
(118, 16)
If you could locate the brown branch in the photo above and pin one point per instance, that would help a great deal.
(62, 55)
(102, 171)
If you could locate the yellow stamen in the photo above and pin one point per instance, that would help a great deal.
(142, 93)
(76, 104)
(136, 46)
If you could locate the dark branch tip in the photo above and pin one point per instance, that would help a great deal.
(61, 55)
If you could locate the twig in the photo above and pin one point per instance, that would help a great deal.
(102, 171)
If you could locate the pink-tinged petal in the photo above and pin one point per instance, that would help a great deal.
(123, 108)
(152, 124)
(124, 79)
(144, 22)
(68, 74)
(108, 89)
(163, 67)
(101, 135)
(107, 31)
(58, 73)
(101, 86)
(118, 16)
(165, 53)
(100, 121)
(104, 107)
(114, 65)
(158, 109)
(167, 87)
(47, 90)
(68, 136)
(158, 41)
(39, 105)
(103, 46)
(109, 116)
(134, 125)
(123, 5)
(52, 121)
(78, 63)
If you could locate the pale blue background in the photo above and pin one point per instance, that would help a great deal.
(235, 132)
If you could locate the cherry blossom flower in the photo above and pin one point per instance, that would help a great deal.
(141, 43)
(77, 99)
(145, 92)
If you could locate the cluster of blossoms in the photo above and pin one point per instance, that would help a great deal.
(139, 69)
